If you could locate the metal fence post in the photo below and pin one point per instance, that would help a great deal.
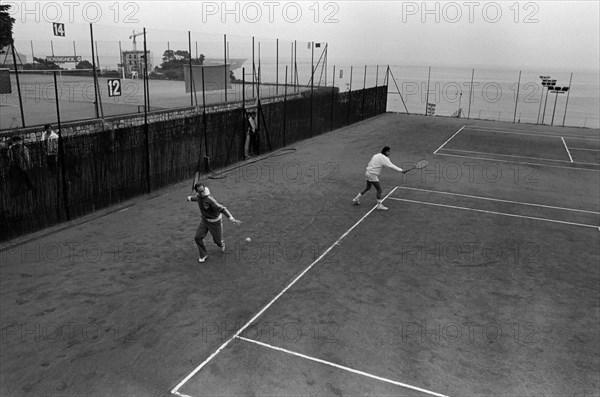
(94, 71)
(566, 103)
(517, 99)
(61, 153)
(12, 46)
(146, 105)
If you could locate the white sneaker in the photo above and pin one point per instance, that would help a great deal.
(223, 248)
(381, 207)
(356, 201)
(201, 260)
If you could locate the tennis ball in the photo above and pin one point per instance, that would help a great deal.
(248, 239)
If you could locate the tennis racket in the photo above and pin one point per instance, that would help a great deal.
(195, 180)
(420, 165)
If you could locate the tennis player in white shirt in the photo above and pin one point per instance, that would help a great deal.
(374, 168)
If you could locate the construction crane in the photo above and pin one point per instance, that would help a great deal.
(133, 36)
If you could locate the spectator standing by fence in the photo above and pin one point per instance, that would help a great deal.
(20, 161)
(249, 144)
(50, 140)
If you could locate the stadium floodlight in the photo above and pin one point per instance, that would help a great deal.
(549, 84)
(544, 80)
(557, 90)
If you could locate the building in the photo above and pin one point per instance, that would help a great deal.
(216, 77)
(133, 62)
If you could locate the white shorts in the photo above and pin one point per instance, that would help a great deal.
(371, 177)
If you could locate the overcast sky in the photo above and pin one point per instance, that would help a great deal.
(528, 34)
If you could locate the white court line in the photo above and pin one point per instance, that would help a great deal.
(199, 367)
(508, 155)
(474, 127)
(530, 133)
(583, 139)
(512, 132)
(522, 162)
(503, 201)
(355, 371)
(569, 153)
(481, 127)
(449, 139)
(582, 148)
(497, 213)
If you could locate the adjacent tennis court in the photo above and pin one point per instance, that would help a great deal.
(554, 147)
(481, 278)
(76, 97)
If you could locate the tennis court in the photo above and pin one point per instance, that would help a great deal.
(76, 97)
(481, 279)
(553, 147)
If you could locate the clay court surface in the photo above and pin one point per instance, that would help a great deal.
(481, 279)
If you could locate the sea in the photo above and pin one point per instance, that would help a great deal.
(490, 93)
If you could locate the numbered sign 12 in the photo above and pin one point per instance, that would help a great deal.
(59, 29)
(114, 87)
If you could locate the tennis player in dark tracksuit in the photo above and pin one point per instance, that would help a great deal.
(212, 219)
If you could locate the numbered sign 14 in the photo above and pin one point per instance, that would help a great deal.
(114, 87)
(59, 29)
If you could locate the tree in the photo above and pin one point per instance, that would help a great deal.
(174, 62)
(45, 65)
(84, 65)
(168, 56)
(6, 25)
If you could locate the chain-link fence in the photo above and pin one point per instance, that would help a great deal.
(163, 69)
(497, 94)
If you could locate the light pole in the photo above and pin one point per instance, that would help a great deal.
(567, 102)
(549, 85)
(557, 90)
(544, 79)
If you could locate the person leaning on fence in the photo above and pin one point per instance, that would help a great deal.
(20, 161)
(254, 141)
(211, 221)
(50, 140)
(250, 137)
